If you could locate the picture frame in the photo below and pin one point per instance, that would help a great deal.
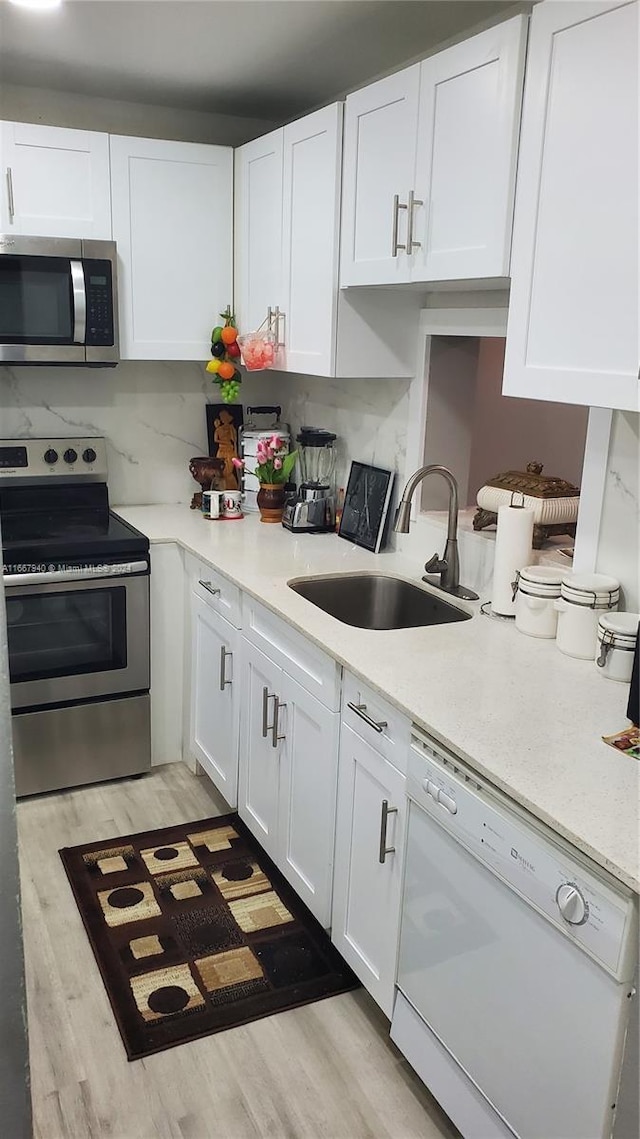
(366, 506)
(224, 423)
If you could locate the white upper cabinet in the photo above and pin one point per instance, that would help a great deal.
(55, 182)
(380, 129)
(173, 223)
(429, 165)
(469, 118)
(258, 229)
(311, 233)
(572, 334)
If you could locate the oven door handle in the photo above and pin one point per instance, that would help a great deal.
(87, 573)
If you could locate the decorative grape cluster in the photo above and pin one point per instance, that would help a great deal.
(225, 350)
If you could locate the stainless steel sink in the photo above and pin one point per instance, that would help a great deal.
(375, 601)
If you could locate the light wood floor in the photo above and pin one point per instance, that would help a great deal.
(326, 1071)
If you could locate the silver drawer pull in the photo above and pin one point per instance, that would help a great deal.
(275, 738)
(361, 711)
(10, 201)
(212, 589)
(384, 849)
(224, 653)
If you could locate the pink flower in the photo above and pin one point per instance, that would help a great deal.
(238, 463)
(276, 442)
(277, 464)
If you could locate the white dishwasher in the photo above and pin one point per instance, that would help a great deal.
(516, 965)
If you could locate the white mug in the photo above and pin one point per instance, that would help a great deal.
(232, 504)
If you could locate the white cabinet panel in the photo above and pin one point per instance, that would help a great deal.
(258, 229)
(367, 893)
(259, 766)
(215, 697)
(55, 182)
(308, 773)
(312, 157)
(573, 316)
(172, 220)
(468, 126)
(167, 651)
(379, 162)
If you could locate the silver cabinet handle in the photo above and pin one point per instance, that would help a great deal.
(397, 206)
(10, 202)
(266, 697)
(224, 653)
(212, 589)
(361, 711)
(276, 317)
(413, 202)
(384, 849)
(275, 738)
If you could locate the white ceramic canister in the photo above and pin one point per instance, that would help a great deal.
(616, 644)
(537, 589)
(583, 596)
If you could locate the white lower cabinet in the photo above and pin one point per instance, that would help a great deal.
(287, 776)
(215, 697)
(367, 885)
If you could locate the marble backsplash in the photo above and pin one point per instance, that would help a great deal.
(619, 541)
(152, 415)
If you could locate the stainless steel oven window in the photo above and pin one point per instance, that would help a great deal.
(76, 640)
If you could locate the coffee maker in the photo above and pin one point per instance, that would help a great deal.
(312, 508)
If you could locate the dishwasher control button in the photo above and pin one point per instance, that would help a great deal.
(447, 802)
(572, 904)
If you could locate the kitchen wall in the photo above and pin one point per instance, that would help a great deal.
(151, 413)
(619, 540)
(370, 417)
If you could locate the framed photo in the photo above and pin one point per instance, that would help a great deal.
(224, 421)
(366, 506)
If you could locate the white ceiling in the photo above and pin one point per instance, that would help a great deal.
(269, 58)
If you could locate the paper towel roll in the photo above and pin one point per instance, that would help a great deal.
(513, 552)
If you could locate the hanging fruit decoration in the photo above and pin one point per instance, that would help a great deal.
(224, 351)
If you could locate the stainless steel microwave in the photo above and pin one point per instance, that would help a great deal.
(58, 301)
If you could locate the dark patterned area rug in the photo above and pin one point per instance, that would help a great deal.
(195, 930)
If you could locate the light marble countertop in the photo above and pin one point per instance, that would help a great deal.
(515, 708)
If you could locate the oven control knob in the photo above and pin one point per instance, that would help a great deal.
(70, 455)
(572, 904)
(50, 456)
(89, 455)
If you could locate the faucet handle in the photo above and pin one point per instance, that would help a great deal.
(436, 565)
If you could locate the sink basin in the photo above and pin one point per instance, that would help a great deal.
(375, 601)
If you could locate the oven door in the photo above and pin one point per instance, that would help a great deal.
(43, 306)
(78, 639)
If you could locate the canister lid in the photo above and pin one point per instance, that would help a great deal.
(543, 575)
(623, 626)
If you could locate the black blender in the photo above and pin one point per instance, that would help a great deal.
(312, 509)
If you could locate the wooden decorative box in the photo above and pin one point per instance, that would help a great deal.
(554, 501)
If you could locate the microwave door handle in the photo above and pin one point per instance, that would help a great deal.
(79, 302)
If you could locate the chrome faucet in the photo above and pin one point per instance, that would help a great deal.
(448, 566)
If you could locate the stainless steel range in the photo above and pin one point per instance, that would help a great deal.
(76, 579)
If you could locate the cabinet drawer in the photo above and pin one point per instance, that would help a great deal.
(220, 593)
(376, 721)
(302, 660)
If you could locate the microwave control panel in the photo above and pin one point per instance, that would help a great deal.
(98, 286)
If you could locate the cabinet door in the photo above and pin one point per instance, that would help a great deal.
(572, 334)
(258, 775)
(258, 229)
(366, 892)
(311, 232)
(172, 220)
(381, 123)
(468, 124)
(308, 773)
(55, 182)
(166, 583)
(215, 703)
